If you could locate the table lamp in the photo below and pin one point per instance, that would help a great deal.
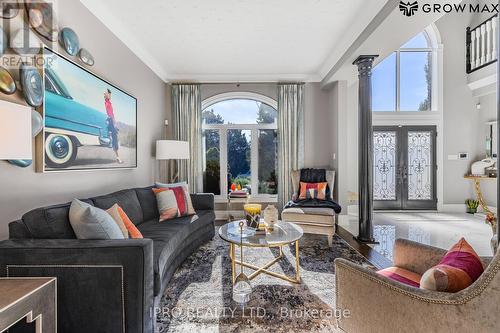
(172, 150)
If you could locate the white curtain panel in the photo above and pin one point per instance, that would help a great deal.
(290, 137)
(186, 112)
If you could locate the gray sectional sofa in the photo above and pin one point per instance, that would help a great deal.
(107, 285)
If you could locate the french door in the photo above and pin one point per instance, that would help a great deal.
(404, 162)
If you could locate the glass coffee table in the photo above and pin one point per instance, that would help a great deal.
(284, 233)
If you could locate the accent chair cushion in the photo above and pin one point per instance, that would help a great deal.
(401, 275)
(312, 191)
(90, 222)
(458, 269)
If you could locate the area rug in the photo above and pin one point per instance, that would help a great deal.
(199, 296)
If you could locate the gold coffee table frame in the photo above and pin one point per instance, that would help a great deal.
(234, 242)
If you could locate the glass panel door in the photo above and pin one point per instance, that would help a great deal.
(404, 167)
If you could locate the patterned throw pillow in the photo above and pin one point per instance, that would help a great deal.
(313, 191)
(458, 269)
(167, 203)
(121, 218)
(185, 186)
(401, 275)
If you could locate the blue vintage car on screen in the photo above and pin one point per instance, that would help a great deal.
(69, 124)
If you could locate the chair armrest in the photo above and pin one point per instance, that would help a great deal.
(416, 257)
(114, 277)
(365, 300)
(203, 201)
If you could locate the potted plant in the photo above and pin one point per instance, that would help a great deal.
(471, 205)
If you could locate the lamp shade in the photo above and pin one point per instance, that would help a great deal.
(172, 150)
(15, 132)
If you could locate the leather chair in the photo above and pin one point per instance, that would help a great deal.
(312, 220)
(378, 304)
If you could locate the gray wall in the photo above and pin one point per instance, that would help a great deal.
(23, 189)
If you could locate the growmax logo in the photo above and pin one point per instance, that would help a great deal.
(408, 8)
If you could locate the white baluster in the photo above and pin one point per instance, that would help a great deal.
(494, 39)
(488, 41)
(478, 44)
(483, 44)
(472, 46)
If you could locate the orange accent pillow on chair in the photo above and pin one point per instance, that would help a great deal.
(313, 191)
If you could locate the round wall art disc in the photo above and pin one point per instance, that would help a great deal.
(21, 163)
(17, 42)
(7, 84)
(36, 123)
(3, 42)
(32, 85)
(9, 9)
(69, 41)
(86, 57)
(43, 19)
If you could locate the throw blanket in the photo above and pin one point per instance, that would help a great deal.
(314, 203)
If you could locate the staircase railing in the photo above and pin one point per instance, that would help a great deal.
(481, 45)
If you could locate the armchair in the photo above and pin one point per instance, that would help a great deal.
(378, 304)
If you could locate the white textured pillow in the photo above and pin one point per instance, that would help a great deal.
(90, 222)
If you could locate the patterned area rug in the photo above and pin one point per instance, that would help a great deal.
(199, 296)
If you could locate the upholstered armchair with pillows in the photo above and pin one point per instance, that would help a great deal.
(318, 219)
(371, 302)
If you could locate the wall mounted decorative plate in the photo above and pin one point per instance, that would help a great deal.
(69, 41)
(86, 57)
(4, 42)
(42, 11)
(17, 42)
(21, 163)
(9, 9)
(32, 85)
(36, 123)
(7, 83)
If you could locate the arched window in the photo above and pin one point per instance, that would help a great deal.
(240, 144)
(404, 80)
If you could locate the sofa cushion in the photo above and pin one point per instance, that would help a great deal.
(401, 275)
(126, 199)
(147, 199)
(169, 239)
(50, 222)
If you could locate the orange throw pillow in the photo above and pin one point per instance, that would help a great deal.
(313, 191)
(124, 220)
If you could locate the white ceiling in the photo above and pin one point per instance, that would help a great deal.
(237, 40)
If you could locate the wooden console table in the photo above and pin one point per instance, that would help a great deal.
(30, 298)
(479, 194)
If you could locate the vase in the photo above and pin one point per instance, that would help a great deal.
(270, 217)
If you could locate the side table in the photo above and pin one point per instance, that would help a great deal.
(30, 298)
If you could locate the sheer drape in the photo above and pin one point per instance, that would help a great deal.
(186, 114)
(290, 136)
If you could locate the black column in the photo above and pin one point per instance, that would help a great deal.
(365, 150)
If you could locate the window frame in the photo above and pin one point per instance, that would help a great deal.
(429, 49)
(254, 147)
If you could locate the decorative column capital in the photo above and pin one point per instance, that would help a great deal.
(364, 63)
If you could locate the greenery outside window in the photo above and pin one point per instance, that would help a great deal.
(240, 146)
